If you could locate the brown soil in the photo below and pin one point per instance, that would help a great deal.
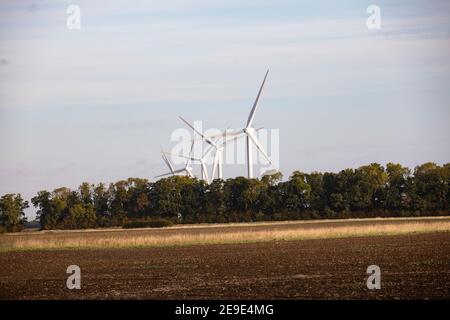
(412, 267)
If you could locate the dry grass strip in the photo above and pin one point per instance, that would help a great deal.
(124, 240)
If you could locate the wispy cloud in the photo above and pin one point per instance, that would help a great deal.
(190, 59)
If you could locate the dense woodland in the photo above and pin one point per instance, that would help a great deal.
(369, 191)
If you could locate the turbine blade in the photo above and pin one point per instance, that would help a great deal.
(167, 162)
(192, 127)
(215, 136)
(252, 113)
(224, 134)
(235, 137)
(198, 132)
(192, 148)
(183, 156)
(188, 162)
(165, 174)
(233, 133)
(189, 172)
(188, 123)
(190, 154)
(259, 146)
(207, 151)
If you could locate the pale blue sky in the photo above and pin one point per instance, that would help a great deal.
(95, 104)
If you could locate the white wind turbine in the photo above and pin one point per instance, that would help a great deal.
(186, 170)
(218, 159)
(213, 145)
(204, 170)
(249, 131)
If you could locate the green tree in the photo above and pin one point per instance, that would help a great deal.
(351, 192)
(296, 193)
(100, 197)
(396, 195)
(166, 196)
(238, 198)
(371, 181)
(215, 199)
(85, 193)
(446, 173)
(138, 201)
(118, 201)
(12, 214)
(272, 179)
(46, 214)
(336, 195)
(81, 217)
(317, 195)
(431, 187)
(62, 199)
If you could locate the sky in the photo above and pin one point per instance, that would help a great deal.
(96, 103)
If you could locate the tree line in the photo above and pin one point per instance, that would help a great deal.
(368, 191)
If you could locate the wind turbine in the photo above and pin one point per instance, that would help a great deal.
(213, 145)
(213, 142)
(250, 131)
(186, 170)
(235, 134)
(204, 171)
